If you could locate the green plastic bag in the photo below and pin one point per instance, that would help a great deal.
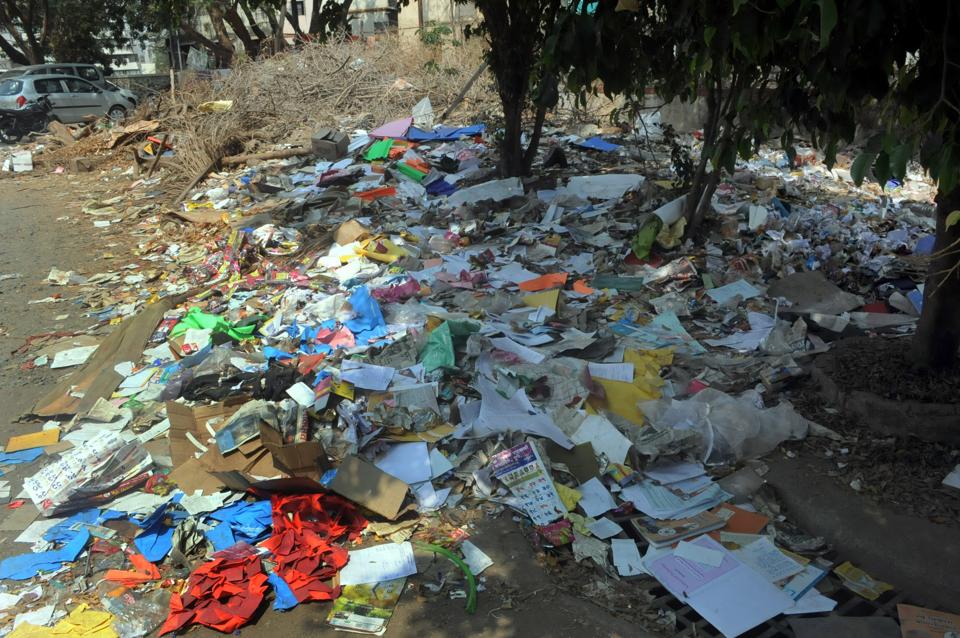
(196, 318)
(642, 242)
(438, 351)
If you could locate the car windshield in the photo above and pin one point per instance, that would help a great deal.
(10, 87)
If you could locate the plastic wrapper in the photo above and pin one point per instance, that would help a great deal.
(731, 428)
(135, 613)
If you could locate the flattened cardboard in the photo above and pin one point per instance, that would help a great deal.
(192, 476)
(296, 459)
(580, 460)
(367, 485)
(97, 378)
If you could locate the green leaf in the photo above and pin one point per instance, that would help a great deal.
(828, 20)
(952, 219)
(860, 165)
(737, 4)
(708, 34)
(899, 157)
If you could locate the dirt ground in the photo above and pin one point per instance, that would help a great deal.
(44, 228)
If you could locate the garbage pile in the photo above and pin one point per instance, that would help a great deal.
(328, 353)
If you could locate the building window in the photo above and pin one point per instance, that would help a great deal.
(300, 7)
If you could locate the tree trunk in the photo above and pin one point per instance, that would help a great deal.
(700, 180)
(511, 148)
(250, 46)
(16, 56)
(938, 333)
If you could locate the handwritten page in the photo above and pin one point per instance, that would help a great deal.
(764, 557)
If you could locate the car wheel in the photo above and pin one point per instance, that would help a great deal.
(117, 113)
(8, 131)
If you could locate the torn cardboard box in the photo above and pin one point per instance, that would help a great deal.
(307, 459)
(367, 485)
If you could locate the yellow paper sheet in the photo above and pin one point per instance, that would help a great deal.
(622, 397)
(546, 299)
(81, 623)
(43, 438)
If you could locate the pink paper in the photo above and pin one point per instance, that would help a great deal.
(687, 576)
(397, 128)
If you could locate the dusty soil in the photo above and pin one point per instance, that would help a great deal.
(882, 366)
(903, 472)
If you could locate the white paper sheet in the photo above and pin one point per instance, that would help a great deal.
(735, 601)
(439, 464)
(626, 557)
(604, 528)
(475, 559)
(72, 357)
(498, 414)
(302, 394)
(197, 503)
(674, 472)
(596, 500)
(612, 371)
(813, 602)
(366, 376)
(409, 462)
(603, 437)
(523, 352)
(379, 563)
(741, 288)
(698, 553)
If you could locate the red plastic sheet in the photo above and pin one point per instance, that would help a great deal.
(223, 594)
(305, 526)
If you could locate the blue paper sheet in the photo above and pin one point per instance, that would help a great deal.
(242, 521)
(23, 456)
(444, 133)
(61, 532)
(283, 598)
(156, 539)
(440, 187)
(598, 144)
(27, 566)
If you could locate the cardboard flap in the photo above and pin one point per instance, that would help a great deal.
(367, 485)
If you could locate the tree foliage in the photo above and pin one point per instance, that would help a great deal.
(31, 31)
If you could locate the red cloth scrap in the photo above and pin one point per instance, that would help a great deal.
(222, 594)
(305, 526)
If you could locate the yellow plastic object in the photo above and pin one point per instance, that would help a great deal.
(381, 250)
(216, 106)
(568, 495)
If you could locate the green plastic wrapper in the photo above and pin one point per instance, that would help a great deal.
(378, 150)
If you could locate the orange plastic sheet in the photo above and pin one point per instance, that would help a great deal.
(543, 282)
(144, 572)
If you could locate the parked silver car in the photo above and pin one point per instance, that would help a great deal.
(88, 72)
(73, 98)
